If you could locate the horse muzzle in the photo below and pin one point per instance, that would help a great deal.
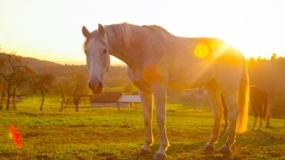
(96, 87)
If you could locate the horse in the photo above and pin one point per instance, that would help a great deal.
(157, 60)
(258, 103)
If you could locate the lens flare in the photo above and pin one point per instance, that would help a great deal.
(213, 45)
(201, 50)
(152, 73)
(15, 135)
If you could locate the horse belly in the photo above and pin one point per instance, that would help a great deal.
(191, 79)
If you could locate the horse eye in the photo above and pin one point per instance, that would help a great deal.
(105, 51)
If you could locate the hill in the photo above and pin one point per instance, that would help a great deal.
(37, 64)
(115, 73)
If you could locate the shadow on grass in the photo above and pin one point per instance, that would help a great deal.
(182, 151)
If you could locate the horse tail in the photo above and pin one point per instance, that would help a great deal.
(243, 101)
(265, 105)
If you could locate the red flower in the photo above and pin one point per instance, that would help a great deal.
(15, 135)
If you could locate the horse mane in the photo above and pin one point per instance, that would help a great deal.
(120, 32)
(123, 33)
(156, 28)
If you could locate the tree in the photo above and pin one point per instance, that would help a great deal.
(79, 87)
(14, 73)
(1, 99)
(62, 92)
(43, 84)
(273, 57)
(128, 88)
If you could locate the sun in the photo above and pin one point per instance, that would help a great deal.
(241, 45)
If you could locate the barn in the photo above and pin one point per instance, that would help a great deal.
(114, 99)
(129, 100)
(105, 99)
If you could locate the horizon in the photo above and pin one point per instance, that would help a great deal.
(52, 31)
(114, 64)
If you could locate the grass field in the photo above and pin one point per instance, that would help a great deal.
(112, 134)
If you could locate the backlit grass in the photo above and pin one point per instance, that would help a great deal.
(109, 133)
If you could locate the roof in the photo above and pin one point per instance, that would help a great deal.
(106, 97)
(130, 98)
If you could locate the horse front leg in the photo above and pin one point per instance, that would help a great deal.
(146, 100)
(159, 93)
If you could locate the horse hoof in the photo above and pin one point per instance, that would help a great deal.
(209, 148)
(225, 149)
(143, 152)
(158, 156)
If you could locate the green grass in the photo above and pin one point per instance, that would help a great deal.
(109, 133)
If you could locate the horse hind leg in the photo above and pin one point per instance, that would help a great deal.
(254, 124)
(255, 113)
(261, 112)
(260, 123)
(215, 99)
(230, 101)
(225, 114)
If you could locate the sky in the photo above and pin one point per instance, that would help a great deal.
(51, 29)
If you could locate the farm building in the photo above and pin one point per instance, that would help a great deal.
(114, 99)
(129, 100)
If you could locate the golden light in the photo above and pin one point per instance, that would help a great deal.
(213, 45)
(201, 50)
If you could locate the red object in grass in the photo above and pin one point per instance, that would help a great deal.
(15, 136)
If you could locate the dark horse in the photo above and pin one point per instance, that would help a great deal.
(258, 103)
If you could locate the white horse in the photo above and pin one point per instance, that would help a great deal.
(158, 60)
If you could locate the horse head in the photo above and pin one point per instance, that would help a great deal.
(97, 57)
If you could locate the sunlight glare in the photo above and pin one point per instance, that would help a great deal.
(201, 50)
(213, 45)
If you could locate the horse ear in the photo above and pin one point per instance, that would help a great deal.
(85, 32)
(101, 29)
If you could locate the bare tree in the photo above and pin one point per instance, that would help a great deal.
(14, 73)
(62, 92)
(2, 97)
(79, 88)
(128, 88)
(42, 83)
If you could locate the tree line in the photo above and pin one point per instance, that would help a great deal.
(67, 84)
(270, 75)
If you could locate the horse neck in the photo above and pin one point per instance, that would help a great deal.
(120, 46)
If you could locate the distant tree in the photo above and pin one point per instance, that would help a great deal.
(2, 91)
(273, 57)
(2, 97)
(78, 87)
(61, 91)
(22, 77)
(42, 83)
(14, 73)
(128, 89)
(278, 102)
(251, 62)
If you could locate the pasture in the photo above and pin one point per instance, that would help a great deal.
(112, 134)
